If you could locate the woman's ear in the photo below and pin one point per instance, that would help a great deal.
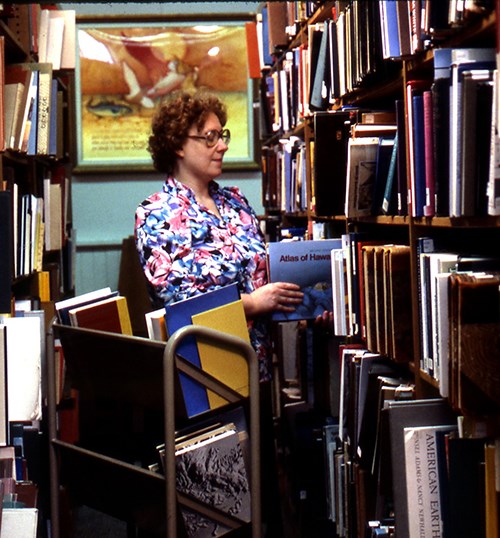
(180, 153)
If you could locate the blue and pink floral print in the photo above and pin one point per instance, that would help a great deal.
(186, 249)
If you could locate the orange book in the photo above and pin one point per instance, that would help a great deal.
(252, 50)
(110, 315)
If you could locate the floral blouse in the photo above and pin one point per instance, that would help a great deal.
(185, 249)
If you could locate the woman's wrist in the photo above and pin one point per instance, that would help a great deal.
(248, 305)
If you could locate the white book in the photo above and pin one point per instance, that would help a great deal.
(55, 39)
(423, 487)
(443, 333)
(439, 262)
(19, 523)
(24, 367)
(493, 188)
(361, 166)
(90, 296)
(338, 291)
(155, 324)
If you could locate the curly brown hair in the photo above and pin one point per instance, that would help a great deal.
(173, 120)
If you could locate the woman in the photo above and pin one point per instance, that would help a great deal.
(195, 236)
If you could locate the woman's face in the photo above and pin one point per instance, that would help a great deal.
(199, 160)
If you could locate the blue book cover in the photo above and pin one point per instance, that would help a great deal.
(308, 264)
(419, 153)
(179, 315)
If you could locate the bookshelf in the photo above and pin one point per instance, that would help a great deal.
(359, 79)
(36, 270)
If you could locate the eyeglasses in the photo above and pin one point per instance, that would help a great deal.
(213, 136)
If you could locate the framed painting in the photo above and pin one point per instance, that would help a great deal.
(125, 67)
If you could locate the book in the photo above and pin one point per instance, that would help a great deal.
(401, 176)
(475, 335)
(415, 140)
(224, 364)
(466, 457)
(24, 365)
(493, 188)
(109, 314)
(442, 333)
(331, 139)
(390, 191)
(418, 187)
(339, 291)
(361, 169)
(13, 94)
(424, 459)
(308, 264)
(19, 522)
(400, 317)
(54, 214)
(440, 89)
(7, 249)
(434, 263)
(462, 59)
(180, 314)
(4, 418)
(430, 186)
(211, 472)
(253, 50)
(401, 415)
(65, 305)
(477, 102)
(384, 157)
(155, 324)
(19, 73)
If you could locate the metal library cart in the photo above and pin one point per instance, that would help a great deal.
(138, 374)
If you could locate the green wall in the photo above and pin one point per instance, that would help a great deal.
(104, 205)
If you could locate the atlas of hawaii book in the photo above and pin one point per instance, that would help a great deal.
(308, 264)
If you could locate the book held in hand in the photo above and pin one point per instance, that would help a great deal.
(308, 264)
(179, 315)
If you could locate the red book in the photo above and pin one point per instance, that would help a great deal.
(110, 315)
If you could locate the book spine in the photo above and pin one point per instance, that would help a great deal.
(430, 205)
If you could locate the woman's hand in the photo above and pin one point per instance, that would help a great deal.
(325, 321)
(275, 297)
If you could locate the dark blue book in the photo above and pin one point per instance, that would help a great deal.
(440, 89)
(419, 155)
(179, 315)
(384, 156)
(402, 174)
(268, 59)
(389, 203)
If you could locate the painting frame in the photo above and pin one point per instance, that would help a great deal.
(119, 56)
